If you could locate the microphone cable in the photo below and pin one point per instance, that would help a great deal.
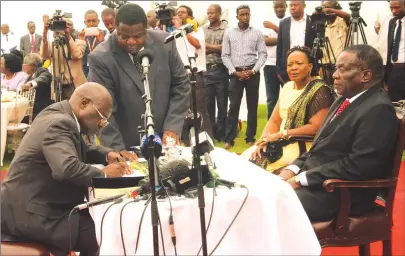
(122, 233)
(233, 220)
(171, 221)
(214, 193)
(140, 223)
(119, 200)
(70, 230)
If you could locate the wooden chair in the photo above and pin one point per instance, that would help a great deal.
(345, 230)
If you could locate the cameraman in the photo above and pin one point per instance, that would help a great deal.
(60, 61)
(337, 22)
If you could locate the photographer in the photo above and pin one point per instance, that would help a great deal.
(337, 22)
(58, 51)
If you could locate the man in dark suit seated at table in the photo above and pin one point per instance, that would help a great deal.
(356, 141)
(49, 175)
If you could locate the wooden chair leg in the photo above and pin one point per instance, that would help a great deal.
(387, 248)
(364, 250)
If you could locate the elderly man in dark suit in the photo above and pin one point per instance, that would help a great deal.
(356, 141)
(115, 65)
(49, 175)
(40, 79)
(293, 31)
(31, 42)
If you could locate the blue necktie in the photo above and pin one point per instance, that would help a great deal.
(395, 47)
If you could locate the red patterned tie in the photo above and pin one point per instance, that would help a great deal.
(342, 107)
(32, 44)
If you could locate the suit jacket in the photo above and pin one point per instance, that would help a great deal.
(43, 78)
(47, 178)
(25, 43)
(77, 49)
(283, 40)
(168, 82)
(358, 144)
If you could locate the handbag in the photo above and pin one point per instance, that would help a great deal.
(274, 151)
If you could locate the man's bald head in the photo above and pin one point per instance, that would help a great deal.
(92, 105)
(5, 29)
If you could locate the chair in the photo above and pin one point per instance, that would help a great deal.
(345, 230)
(301, 140)
(17, 130)
(13, 246)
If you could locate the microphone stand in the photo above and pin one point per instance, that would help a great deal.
(196, 152)
(151, 156)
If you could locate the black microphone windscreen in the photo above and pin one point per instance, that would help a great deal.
(150, 53)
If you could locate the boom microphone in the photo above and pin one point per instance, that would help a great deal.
(188, 28)
(146, 57)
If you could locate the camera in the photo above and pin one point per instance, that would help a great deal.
(164, 13)
(114, 4)
(318, 21)
(355, 9)
(57, 22)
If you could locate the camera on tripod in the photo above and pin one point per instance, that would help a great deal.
(114, 4)
(57, 22)
(355, 9)
(164, 13)
(318, 21)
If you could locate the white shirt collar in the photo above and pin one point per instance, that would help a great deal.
(356, 96)
(304, 18)
(77, 122)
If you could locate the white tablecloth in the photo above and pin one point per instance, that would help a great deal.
(10, 113)
(272, 221)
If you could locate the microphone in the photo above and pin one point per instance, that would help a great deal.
(188, 28)
(146, 57)
(229, 184)
(98, 202)
(157, 141)
(195, 24)
(205, 147)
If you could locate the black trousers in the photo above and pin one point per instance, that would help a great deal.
(86, 242)
(216, 82)
(396, 83)
(237, 87)
(272, 87)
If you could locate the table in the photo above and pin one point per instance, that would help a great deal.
(10, 113)
(272, 221)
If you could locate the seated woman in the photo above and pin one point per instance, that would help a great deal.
(12, 75)
(302, 106)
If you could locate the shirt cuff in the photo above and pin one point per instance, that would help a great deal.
(295, 169)
(302, 177)
(34, 83)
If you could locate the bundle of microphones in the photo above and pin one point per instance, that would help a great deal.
(176, 176)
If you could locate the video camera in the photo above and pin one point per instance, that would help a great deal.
(57, 22)
(318, 21)
(114, 4)
(355, 8)
(164, 13)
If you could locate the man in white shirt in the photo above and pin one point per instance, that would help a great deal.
(8, 41)
(346, 146)
(270, 70)
(196, 42)
(108, 18)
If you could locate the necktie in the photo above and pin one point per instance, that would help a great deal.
(7, 38)
(32, 44)
(342, 107)
(395, 47)
(137, 64)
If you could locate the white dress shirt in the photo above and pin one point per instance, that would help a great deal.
(201, 58)
(302, 176)
(9, 42)
(297, 31)
(382, 38)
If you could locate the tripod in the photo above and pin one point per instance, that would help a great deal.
(57, 77)
(323, 54)
(356, 25)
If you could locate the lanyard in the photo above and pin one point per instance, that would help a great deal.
(91, 46)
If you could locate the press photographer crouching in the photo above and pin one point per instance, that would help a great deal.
(66, 55)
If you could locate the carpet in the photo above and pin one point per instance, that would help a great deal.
(398, 230)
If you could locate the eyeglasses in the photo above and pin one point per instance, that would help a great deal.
(103, 122)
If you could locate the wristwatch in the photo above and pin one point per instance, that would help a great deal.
(253, 72)
(284, 134)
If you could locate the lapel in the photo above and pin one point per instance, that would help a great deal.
(37, 40)
(391, 29)
(287, 34)
(128, 66)
(330, 125)
(80, 146)
(308, 32)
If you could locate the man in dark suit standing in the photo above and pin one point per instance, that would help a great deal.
(49, 176)
(115, 65)
(293, 31)
(356, 141)
(40, 79)
(31, 42)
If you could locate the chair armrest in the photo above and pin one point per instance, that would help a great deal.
(295, 138)
(330, 185)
